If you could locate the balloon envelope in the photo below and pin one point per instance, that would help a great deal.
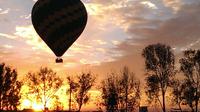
(59, 22)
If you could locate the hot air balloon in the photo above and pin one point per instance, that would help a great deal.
(59, 23)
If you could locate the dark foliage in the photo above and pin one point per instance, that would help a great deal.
(159, 61)
(85, 81)
(190, 67)
(110, 93)
(121, 93)
(9, 88)
(178, 87)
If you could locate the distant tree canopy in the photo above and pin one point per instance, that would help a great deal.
(9, 88)
(44, 84)
(121, 93)
(159, 63)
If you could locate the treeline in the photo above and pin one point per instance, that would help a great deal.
(119, 91)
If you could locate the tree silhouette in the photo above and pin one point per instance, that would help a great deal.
(73, 87)
(152, 89)
(129, 91)
(58, 106)
(189, 95)
(178, 87)
(9, 88)
(44, 84)
(85, 83)
(159, 62)
(190, 66)
(110, 93)
(121, 93)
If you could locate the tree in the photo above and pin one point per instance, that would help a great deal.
(190, 67)
(178, 87)
(189, 96)
(129, 91)
(85, 83)
(9, 88)
(110, 93)
(44, 84)
(159, 63)
(58, 106)
(121, 93)
(152, 89)
(73, 87)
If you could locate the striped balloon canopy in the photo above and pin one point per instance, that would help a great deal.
(59, 22)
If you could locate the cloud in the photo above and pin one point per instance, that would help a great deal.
(100, 42)
(149, 4)
(8, 36)
(180, 31)
(116, 32)
(115, 42)
(26, 16)
(175, 23)
(6, 52)
(94, 9)
(68, 64)
(8, 46)
(176, 5)
(4, 11)
(28, 34)
(90, 50)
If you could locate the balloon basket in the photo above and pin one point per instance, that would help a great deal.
(59, 60)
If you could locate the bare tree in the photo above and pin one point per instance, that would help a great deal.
(44, 84)
(159, 61)
(9, 88)
(190, 66)
(85, 83)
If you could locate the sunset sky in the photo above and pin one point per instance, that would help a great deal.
(116, 33)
